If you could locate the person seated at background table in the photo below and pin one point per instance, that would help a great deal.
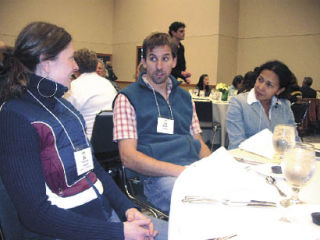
(265, 106)
(307, 91)
(237, 84)
(56, 185)
(203, 85)
(101, 71)
(249, 80)
(156, 125)
(90, 93)
(111, 75)
(295, 93)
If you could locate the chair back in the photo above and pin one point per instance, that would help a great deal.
(105, 150)
(300, 110)
(204, 111)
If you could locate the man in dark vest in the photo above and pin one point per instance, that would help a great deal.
(156, 125)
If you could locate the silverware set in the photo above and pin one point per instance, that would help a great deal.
(251, 203)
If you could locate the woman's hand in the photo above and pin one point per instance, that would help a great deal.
(138, 226)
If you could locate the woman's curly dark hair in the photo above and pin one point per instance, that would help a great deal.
(286, 77)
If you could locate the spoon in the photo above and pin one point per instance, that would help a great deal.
(271, 180)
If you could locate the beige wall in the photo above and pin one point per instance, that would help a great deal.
(223, 37)
(228, 40)
(288, 30)
(89, 22)
(134, 20)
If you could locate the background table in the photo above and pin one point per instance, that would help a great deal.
(219, 112)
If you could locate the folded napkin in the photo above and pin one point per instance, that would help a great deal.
(260, 143)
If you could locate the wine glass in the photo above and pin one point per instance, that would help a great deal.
(283, 139)
(298, 165)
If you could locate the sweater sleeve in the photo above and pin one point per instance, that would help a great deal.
(22, 176)
(118, 200)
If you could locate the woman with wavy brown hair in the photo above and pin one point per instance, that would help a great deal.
(47, 167)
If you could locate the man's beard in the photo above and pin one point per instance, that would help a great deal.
(159, 80)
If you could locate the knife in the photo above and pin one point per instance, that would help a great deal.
(253, 203)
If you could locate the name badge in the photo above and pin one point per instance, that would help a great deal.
(165, 125)
(84, 162)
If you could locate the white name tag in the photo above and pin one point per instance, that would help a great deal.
(84, 160)
(165, 125)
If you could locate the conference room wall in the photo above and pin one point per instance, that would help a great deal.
(228, 41)
(89, 22)
(288, 30)
(134, 20)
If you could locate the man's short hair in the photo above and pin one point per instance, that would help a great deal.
(175, 26)
(87, 60)
(308, 81)
(158, 39)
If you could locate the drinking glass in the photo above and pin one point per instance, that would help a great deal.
(298, 165)
(195, 92)
(283, 139)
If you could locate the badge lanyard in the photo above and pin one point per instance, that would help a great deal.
(83, 156)
(164, 125)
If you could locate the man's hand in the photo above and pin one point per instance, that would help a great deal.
(186, 74)
(188, 80)
(138, 226)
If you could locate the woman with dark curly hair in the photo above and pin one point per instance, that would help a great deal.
(265, 106)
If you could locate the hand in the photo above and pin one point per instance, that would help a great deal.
(137, 230)
(186, 74)
(188, 80)
(134, 214)
(142, 225)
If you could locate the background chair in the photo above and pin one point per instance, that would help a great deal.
(107, 154)
(300, 110)
(105, 150)
(204, 112)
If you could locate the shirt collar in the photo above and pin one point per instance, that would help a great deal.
(252, 98)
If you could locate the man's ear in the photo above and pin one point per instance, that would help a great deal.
(144, 63)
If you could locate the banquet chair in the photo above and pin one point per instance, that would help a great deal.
(105, 150)
(107, 154)
(300, 110)
(133, 187)
(205, 116)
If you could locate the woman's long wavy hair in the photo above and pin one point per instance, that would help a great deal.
(38, 39)
(200, 83)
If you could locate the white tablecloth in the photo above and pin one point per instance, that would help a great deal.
(221, 177)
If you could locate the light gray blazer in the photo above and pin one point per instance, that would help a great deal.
(245, 120)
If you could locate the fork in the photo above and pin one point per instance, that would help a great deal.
(224, 238)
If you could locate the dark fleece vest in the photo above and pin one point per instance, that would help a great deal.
(178, 148)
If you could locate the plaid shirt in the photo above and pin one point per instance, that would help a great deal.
(124, 117)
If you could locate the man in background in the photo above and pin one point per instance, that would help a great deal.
(90, 93)
(157, 135)
(307, 91)
(177, 32)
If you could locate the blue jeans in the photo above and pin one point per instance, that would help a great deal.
(158, 191)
